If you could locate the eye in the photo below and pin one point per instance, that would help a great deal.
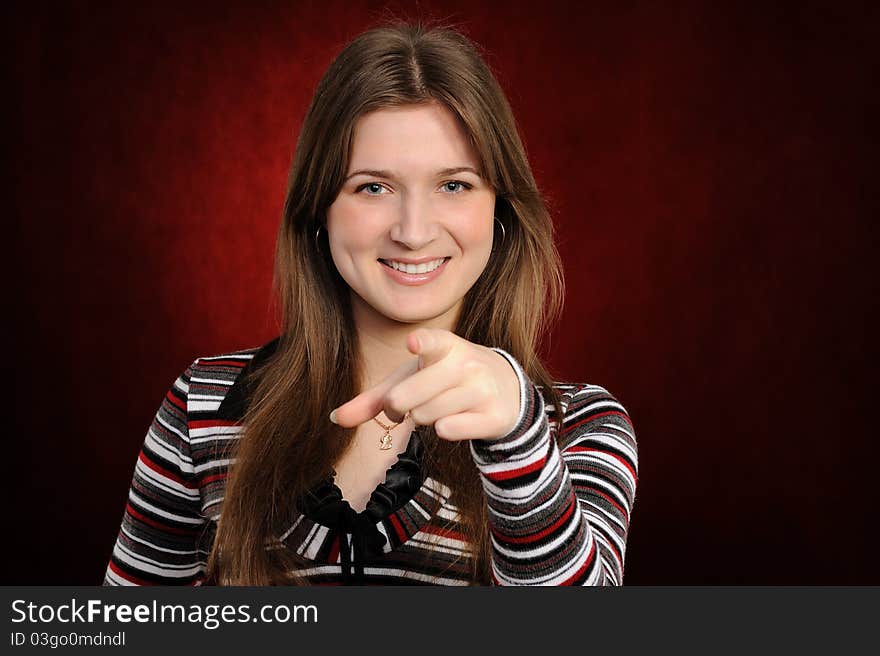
(373, 188)
(457, 186)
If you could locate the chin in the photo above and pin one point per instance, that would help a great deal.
(416, 316)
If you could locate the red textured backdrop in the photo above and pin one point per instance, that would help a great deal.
(708, 168)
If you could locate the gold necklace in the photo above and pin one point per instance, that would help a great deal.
(385, 440)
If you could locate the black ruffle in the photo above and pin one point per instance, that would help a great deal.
(324, 505)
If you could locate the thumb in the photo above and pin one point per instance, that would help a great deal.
(431, 344)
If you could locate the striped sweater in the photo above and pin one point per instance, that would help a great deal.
(559, 497)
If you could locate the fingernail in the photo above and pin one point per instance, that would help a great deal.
(333, 417)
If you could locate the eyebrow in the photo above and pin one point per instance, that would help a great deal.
(391, 176)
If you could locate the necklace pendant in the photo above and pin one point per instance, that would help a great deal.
(385, 442)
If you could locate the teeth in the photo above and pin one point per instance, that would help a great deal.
(415, 268)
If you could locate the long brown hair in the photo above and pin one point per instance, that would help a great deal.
(288, 444)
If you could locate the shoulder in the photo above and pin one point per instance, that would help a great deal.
(222, 367)
(217, 383)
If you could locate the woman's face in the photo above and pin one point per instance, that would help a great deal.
(413, 191)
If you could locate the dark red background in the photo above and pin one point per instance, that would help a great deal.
(708, 168)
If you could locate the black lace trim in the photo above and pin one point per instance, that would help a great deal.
(324, 504)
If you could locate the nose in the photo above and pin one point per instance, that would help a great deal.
(415, 226)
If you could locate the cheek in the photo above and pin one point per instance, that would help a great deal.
(340, 216)
(475, 228)
(349, 226)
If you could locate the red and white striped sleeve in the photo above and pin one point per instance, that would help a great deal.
(560, 500)
(158, 542)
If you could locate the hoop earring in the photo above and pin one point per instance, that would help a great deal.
(503, 231)
(318, 245)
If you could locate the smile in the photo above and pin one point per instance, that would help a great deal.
(414, 268)
(414, 274)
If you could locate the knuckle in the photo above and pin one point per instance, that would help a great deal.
(486, 389)
(472, 365)
(418, 417)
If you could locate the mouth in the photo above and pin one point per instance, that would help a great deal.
(417, 269)
(415, 274)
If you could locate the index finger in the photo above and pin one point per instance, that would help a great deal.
(370, 403)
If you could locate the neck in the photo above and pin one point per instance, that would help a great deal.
(382, 342)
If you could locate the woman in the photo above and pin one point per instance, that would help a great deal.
(416, 269)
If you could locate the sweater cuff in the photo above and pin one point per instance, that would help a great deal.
(519, 440)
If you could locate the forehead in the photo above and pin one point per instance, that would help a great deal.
(411, 137)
